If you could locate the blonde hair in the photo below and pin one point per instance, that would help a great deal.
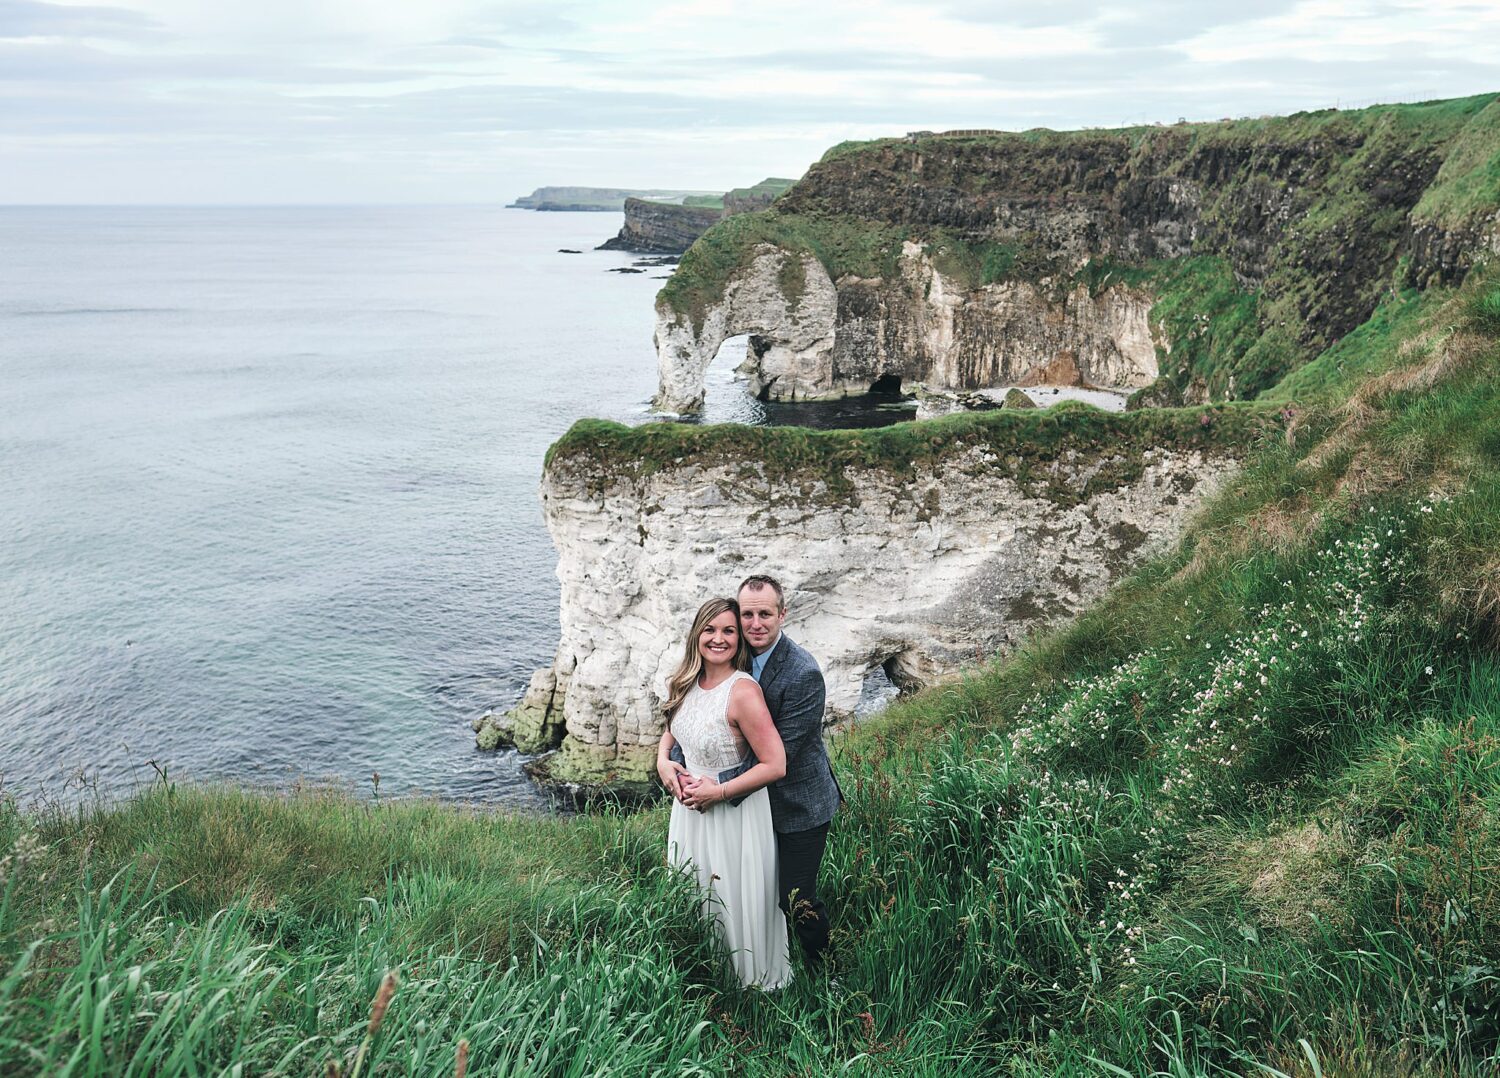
(686, 675)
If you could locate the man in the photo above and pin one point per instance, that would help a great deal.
(802, 803)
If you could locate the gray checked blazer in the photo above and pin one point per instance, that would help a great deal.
(795, 695)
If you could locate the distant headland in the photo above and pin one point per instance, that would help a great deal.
(600, 199)
(653, 226)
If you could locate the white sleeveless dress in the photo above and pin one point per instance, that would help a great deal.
(729, 849)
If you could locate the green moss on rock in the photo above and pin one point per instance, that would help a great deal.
(528, 728)
(590, 772)
(1037, 449)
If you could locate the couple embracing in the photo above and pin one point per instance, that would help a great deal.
(754, 793)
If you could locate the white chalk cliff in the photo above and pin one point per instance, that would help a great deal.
(916, 571)
(786, 301)
(812, 338)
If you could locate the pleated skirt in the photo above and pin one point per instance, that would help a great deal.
(731, 852)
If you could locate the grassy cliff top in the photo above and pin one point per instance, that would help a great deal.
(1294, 127)
(1023, 445)
(771, 185)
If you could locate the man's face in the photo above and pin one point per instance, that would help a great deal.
(761, 617)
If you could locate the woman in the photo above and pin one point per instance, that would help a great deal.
(715, 711)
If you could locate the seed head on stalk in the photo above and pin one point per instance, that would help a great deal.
(377, 1016)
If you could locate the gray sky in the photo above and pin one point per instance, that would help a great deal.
(473, 101)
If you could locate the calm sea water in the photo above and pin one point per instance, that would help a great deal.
(268, 484)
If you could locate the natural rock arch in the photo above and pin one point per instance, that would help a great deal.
(811, 338)
(785, 301)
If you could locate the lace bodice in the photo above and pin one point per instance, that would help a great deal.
(701, 727)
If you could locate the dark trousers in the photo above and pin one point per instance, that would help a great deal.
(799, 854)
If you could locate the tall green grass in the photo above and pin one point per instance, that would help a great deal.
(1242, 817)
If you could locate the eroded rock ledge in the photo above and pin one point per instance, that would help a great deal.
(914, 549)
(811, 339)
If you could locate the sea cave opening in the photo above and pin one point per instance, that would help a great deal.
(888, 384)
(885, 681)
(726, 398)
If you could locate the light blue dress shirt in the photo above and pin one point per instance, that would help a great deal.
(758, 663)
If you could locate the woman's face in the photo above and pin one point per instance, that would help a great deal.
(720, 639)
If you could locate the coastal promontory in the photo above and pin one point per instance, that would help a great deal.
(1191, 262)
(1200, 268)
(595, 199)
(655, 226)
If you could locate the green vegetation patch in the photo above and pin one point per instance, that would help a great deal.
(704, 202)
(1469, 181)
(975, 262)
(1370, 349)
(843, 246)
(1212, 324)
(771, 185)
(1041, 450)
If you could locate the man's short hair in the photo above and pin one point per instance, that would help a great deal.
(756, 583)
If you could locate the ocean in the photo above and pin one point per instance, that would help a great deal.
(268, 477)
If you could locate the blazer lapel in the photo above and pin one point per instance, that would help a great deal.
(776, 661)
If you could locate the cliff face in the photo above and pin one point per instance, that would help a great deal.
(913, 558)
(661, 227)
(1192, 264)
(812, 338)
(1284, 232)
(665, 228)
(758, 197)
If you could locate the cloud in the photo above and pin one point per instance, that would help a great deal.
(1148, 22)
(67, 63)
(415, 101)
(30, 18)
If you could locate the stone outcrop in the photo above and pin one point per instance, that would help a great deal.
(914, 570)
(812, 339)
(793, 325)
(657, 227)
(533, 725)
(661, 227)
